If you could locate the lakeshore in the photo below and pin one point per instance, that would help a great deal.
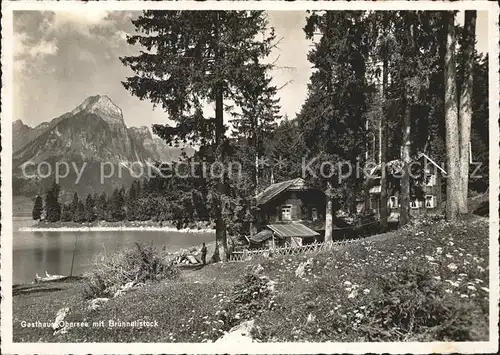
(49, 247)
(114, 229)
(101, 226)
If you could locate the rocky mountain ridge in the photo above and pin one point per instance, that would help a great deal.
(93, 133)
(105, 120)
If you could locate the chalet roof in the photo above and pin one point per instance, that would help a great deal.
(317, 225)
(275, 189)
(398, 164)
(292, 230)
(433, 162)
(393, 165)
(261, 236)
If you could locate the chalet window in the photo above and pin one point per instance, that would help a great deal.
(415, 204)
(286, 212)
(393, 202)
(430, 201)
(304, 212)
(374, 204)
(314, 213)
(431, 180)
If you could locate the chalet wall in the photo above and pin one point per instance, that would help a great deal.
(301, 203)
(417, 192)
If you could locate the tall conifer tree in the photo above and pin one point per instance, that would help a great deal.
(333, 117)
(465, 109)
(191, 58)
(37, 209)
(52, 204)
(451, 121)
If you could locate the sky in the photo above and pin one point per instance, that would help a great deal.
(61, 58)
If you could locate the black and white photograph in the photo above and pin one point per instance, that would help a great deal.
(245, 177)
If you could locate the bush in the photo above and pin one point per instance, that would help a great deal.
(412, 305)
(140, 264)
(251, 296)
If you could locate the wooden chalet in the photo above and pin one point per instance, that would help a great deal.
(426, 188)
(289, 213)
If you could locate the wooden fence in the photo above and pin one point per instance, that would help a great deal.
(309, 248)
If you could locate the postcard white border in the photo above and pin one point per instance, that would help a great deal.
(258, 348)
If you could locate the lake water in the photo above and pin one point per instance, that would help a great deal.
(37, 252)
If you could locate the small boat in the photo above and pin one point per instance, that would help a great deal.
(189, 266)
(48, 277)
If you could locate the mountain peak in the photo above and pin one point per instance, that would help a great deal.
(19, 122)
(100, 105)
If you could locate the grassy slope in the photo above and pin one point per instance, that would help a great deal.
(188, 309)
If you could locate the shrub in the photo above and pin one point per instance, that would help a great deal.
(140, 264)
(250, 296)
(414, 306)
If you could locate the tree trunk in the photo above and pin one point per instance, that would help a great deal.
(355, 185)
(404, 200)
(465, 114)
(329, 213)
(451, 123)
(221, 250)
(256, 174)
(404, 209)
(383, 146)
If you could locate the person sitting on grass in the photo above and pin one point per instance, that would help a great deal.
(204, 253)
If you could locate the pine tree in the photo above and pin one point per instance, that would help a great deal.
(101, 207)
(411, 57)
(252, 128)
(451, 122)
(333, 117)
(116, 205)
(384, 124)
(192, 57)
(66, 215)
(255, 123)
(52, 204)
(74, 204)
(465, 109)
(411, 66)
(138, 188)
(286, 144)
(480, 123)
(37, 208)
(132, 202)
(90, 213)
(79, 215)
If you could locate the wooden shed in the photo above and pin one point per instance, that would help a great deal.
(294, 234)
(290, 202)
